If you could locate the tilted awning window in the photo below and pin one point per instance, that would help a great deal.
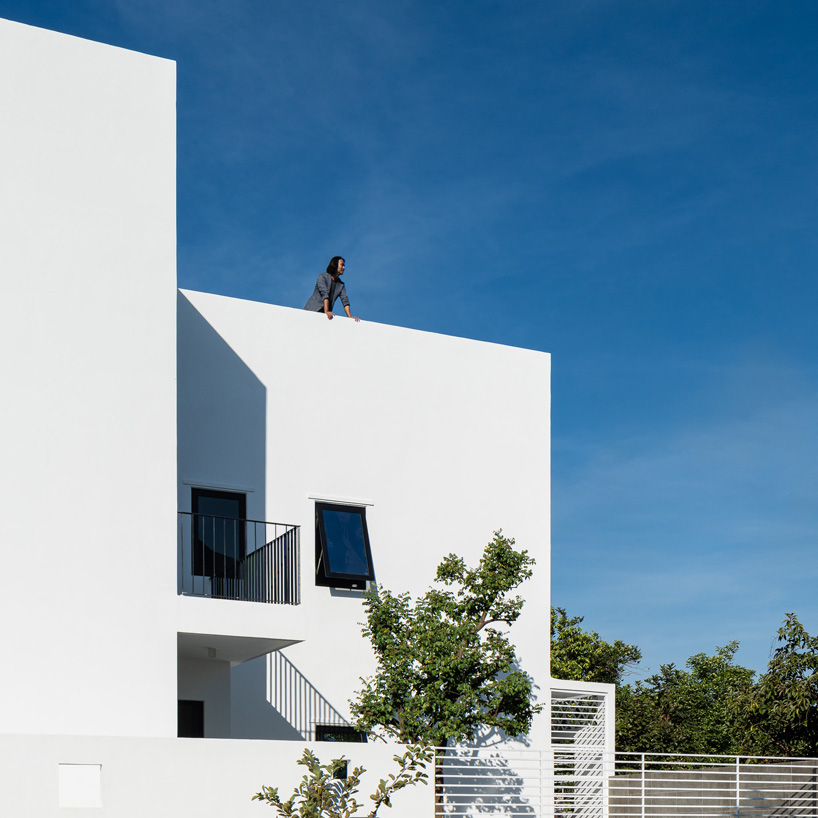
(342, 555)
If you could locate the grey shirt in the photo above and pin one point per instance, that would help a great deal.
(321, 291)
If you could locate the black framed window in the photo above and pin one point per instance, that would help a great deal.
(342, 555)
(219, 532)
(339, 732)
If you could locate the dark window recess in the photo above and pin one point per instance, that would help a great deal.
(339, 732)
(342, 555)
(219, 532)
(191, 719)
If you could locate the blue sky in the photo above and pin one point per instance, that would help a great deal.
(630, 186)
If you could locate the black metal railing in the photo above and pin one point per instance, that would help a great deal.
(249, 560)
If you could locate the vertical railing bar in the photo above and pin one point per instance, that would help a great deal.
(643, 785)
(196, 521)
(272, 573)
(213, 550)
(201, 521)
(193, 531)
(738, 787)
(259, 578)
(180, 540)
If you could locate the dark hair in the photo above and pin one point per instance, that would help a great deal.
(332, 267)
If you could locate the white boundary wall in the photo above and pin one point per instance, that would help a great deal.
(87, 439)
(179, 778)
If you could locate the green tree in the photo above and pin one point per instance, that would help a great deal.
(697, 710)
(780, 712)
(323, 793)
(713, 706)
(445, 669)
(583, 656)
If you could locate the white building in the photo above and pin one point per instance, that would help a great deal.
(128, 406)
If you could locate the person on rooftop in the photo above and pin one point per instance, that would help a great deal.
(329, 288)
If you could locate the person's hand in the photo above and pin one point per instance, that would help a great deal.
(329, 315)
(355, 318)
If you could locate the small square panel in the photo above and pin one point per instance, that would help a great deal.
(80, 785)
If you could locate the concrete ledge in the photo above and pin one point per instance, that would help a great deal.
(236, 631)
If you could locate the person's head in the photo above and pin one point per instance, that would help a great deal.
(336, 265)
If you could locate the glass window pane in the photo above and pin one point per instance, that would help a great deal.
(221, 536)
(219, 533)
(346, 549)
(220, 506)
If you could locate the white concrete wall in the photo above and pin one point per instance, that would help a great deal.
(87, 439)
(208, 681)
(446, 439)
(178, 778)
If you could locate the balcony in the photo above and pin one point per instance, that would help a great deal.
(245, 560)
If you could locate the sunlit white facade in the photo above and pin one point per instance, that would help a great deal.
(127, 403)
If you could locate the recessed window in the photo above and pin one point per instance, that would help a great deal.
(339, 732)
(342, 555)
(191, 719)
